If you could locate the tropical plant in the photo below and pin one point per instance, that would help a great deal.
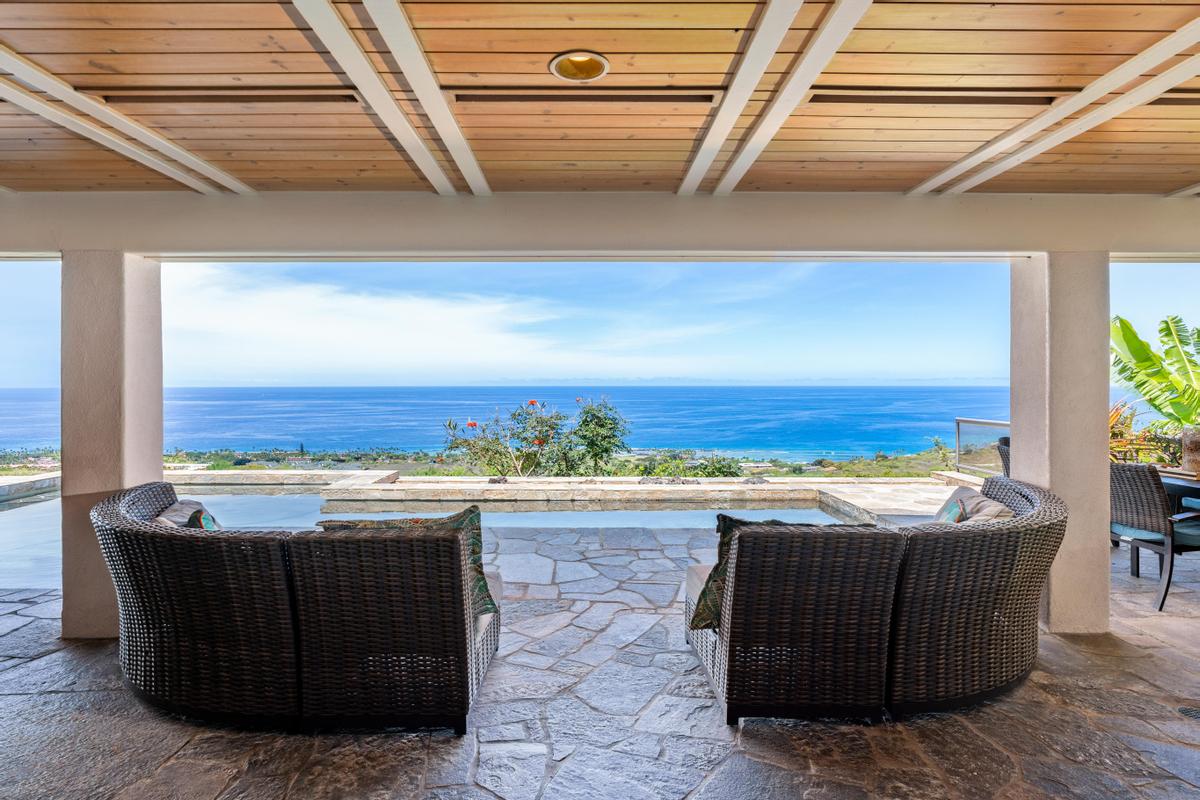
(1169, 381)
(517, 444)
(684, 465)
(943, 453)
(599, 433)
(537, 440)
(1154, 443)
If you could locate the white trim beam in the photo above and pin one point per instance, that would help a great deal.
(1141, 94)
(77, 124)
(772, 27)
(1165, 48)
(331, 29)
(839, 22)
(42, 80)
(397, 32)
(1187, 191)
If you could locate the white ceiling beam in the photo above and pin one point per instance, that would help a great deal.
(331, 29)
(42, 80)
(397, 32)
(1187, 191)
(769, 33)
(1167, 47)
(838, 23)
(1141, 94)
(83, 126)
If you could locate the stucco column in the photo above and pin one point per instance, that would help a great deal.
(112, 430)
(1060, 385)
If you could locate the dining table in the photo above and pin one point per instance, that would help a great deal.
(1178, 488)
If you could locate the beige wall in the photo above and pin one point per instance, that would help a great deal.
(578, 224)
(112, 434)
(1060, 380)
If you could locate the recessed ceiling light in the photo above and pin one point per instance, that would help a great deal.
(579, 66)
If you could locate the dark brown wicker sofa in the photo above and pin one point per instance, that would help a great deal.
(855, 621)
(308, 629)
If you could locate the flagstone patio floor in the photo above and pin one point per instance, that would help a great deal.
(595, 694)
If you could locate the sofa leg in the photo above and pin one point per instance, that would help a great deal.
(460, 726)
(1135, 560)
(732, 717)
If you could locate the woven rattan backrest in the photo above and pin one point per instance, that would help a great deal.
(205, 616)
(969, 597)
(1139, 498)
(807, 614)
(383, 619)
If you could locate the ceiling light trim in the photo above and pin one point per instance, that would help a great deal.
(579, 55)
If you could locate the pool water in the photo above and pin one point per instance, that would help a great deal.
(30, 549)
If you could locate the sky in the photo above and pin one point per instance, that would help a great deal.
(448, 323)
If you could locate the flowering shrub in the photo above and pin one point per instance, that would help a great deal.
(537, 440)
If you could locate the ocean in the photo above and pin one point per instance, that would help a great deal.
(794, 422)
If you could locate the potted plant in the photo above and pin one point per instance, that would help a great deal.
(1169, 381)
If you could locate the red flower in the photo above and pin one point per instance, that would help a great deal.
(472, 424)
(533, 402)
(538, 442)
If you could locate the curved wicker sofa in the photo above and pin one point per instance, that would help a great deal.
(860, 621)
(305, 629)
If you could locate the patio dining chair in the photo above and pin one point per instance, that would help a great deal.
(1142, 518)
(1004, 448)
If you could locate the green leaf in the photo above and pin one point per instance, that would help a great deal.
(1176, 339)
(1169, 382)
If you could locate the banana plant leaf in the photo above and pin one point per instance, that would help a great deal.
(1169, 381)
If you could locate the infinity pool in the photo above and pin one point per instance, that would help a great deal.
(29, 532)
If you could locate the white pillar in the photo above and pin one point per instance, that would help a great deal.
(1060, 385)
(111, 413)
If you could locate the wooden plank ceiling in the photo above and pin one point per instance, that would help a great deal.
(918, 85)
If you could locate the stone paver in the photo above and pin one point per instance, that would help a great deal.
(596, 696)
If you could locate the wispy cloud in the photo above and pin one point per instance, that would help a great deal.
(227, 326)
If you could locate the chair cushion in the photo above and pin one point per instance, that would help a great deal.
(1186, 533)
(188, 514)
(967, 504)
(1136, 533)
(468, 520)
(1191, 502)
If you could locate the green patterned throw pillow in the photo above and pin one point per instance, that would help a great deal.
(707, 615)
(468, 520)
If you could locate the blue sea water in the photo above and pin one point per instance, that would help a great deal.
(800, 422)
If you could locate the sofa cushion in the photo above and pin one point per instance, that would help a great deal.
(967, 504)
(468, 520)
(188, 514)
